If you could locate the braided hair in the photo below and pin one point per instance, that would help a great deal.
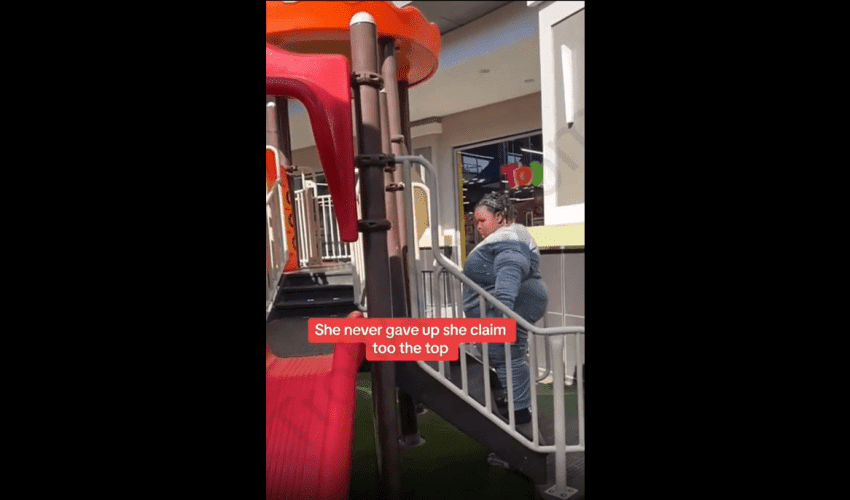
(498, 203)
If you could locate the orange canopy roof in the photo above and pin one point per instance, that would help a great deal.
(323, 28)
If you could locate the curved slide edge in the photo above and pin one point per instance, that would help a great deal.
(322, 82)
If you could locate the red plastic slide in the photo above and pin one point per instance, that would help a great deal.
(310, 423)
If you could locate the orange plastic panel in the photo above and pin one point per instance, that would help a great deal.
(323, 28)
(288, 213)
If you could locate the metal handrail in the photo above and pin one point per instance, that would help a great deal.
(455, 270)
(555, 334)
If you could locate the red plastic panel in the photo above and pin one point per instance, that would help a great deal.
(322, 82)
(310, 423)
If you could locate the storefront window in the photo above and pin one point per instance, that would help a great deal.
(513, 165)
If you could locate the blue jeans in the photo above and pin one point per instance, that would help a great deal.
(519, 369)
(531, 305)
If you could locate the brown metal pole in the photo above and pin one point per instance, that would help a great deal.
(312, 245)
(397, 288)
(404, 127)
(404, 134)
(401, 288)
(284, 146)
(284, 143)
(385, 129)
(397, 136)
(404, 115)
(409, 250)
(395, 201)
(374, 226)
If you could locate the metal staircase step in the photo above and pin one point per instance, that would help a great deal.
(424, 388)
(475, 382)
(539, 467)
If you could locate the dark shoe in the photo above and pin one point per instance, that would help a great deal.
(520, 416)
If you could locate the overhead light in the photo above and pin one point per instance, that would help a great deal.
(464, 153)
(531, 151)
(567, 65)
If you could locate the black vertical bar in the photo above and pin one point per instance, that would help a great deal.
(284, 144)
(404, 118)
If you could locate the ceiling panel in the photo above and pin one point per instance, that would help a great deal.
(451, 15)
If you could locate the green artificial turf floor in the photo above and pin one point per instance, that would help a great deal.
(449, 465)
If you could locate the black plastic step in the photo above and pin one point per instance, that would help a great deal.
(286, 330)
(328, 275)
(316, 287)
(313, 296)
(312, 288)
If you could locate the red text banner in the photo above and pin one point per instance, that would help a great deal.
(412, 339)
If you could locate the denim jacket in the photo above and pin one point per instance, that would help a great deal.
(507, 264)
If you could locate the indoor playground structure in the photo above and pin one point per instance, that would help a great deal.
(328, 55)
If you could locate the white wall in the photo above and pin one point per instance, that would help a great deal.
(490, 122)
(307, 157)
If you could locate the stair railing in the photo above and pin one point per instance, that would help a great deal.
(333, 248)
(318, 230)
(276, 246)
(307, 221)
(556, 335)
